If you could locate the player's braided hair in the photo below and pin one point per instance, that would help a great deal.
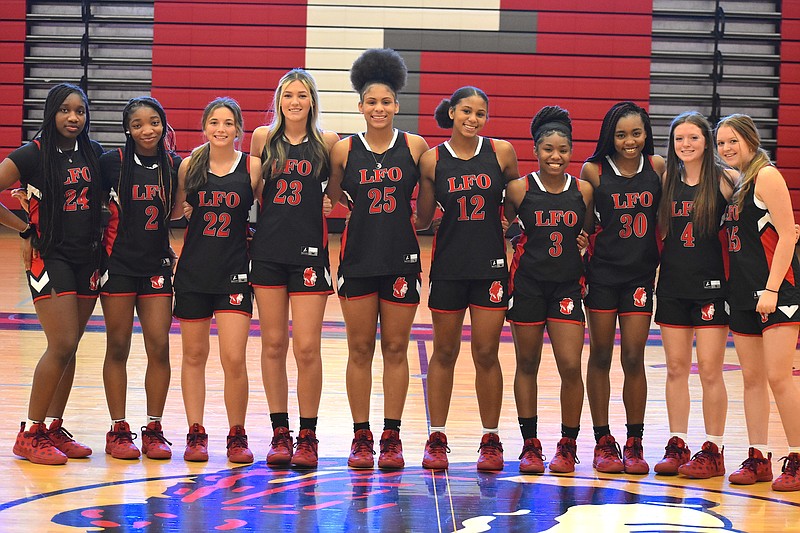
(51, 227)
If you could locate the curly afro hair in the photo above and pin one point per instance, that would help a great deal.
(379, 65)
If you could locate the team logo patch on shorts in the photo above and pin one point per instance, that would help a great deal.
(400, 287)
(157, 282)
(566, 306)
(496, 292)
(237, 299)
(309, 277)
(707, 312)
(94, 280)
(640, 297)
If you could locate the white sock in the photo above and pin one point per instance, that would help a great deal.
(716, 439)
(683, 436)
(434, 429)
(491, 430)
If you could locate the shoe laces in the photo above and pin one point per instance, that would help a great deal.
(673, 451)
(531, 448)
(491, 447)
(123, 436)
(635, 450)
(155, 435)
(196, 439)
(438, 446)
(705, 456)
(41, 439)
(568, 449)
(305, 441)
(390, 444)
(237, 441)
(791, 464)
(364, 445)
(60, 433)
(751, 463)
(610, 450)
(282, 439)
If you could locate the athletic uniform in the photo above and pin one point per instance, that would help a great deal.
(547, 269)
(751, 246)
(623, 252)
(380, 251)
(691, 282)
(72, 265)
(290, 247)
(138, 255)
(212, 271)
(468, 258)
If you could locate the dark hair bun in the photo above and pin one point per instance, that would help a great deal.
(442, 114)
(379, 65)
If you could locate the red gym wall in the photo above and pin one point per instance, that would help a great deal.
(523, 53)
(788, 150)
(12, 72)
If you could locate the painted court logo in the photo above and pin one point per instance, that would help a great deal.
(333, 498)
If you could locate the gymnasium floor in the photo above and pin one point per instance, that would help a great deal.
(101, 493)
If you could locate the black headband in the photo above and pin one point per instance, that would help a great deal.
(553, 126)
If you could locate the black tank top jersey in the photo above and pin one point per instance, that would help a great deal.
(379, 239)
(547, 249)
(624, 248)
(469, 243)
(137, 243)
(751, 246)
(76, 242)
(214, 258)
(692, 266)
(291, 228)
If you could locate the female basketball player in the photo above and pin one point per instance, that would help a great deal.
(466, 176)
(211, 278)
(623, 256)
(546, 282)
(379, 271)
(142, 179)
(60, 173)
(764, 298)
(691, 292)
(289, 161)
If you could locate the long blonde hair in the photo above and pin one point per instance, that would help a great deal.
(276, 149)
(746, 130)
(197, 172)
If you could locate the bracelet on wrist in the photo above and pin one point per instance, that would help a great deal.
(28, 232)
(770, 290)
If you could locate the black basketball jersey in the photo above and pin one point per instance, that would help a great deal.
(692, 265)
(137, 243)
(214, 258)
(469, 243)
(547, 249)
(291, 228)
(624, 249)
(75, 244)
(379, 239)
(751, 246)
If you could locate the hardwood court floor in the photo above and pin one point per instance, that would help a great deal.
(102, 493)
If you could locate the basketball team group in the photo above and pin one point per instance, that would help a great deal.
(714, 217)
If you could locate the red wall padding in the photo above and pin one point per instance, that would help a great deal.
(12, 72)
(788, 133)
